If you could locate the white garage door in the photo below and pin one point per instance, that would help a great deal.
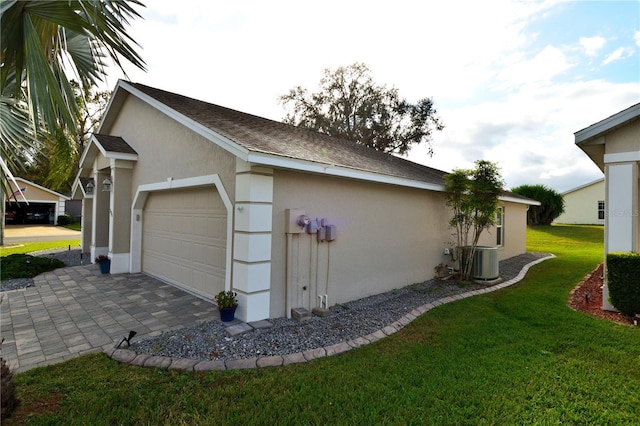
(184, 239)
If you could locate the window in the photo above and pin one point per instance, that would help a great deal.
(600, 210)
(500, 227)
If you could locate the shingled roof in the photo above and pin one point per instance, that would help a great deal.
(257, 134)
(114, 144)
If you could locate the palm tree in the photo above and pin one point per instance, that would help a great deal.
(43, 42)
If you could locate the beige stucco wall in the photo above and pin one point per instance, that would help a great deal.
(623, 139)
(514, 229)
(168, 149)
(387, 237)
(581, 206)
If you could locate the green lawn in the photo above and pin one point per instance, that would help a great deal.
(37, 246)
(76, 226)
(516, 356)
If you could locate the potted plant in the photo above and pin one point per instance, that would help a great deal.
(227, 304)
(104, 262)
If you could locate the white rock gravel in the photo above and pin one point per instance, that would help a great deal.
(349, 321)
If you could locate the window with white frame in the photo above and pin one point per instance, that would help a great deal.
(500, 227)
(600, 210)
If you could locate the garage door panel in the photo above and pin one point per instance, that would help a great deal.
(184, 239)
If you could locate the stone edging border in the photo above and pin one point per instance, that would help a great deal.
(130, 357)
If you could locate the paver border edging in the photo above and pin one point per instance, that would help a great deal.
(130, 357)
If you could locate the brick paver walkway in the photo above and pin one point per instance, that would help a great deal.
(77, 310)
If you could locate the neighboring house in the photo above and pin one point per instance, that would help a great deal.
(584, 205)
(210, 199)
(32, 203)
(614, 145)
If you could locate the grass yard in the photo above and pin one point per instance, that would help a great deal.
(37, 246)
(76, 226)
(516, 356)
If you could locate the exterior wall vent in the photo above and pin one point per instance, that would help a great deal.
(485, 263)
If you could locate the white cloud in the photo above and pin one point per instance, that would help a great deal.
(544, 66)
(614, 56)
(501, 96)
(592, 45)
(531, 132)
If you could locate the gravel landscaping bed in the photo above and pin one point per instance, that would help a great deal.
(208, 341)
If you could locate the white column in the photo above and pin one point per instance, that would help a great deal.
(252, 241)
(621, 222)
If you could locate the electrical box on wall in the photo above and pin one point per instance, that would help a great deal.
(295, 222)
(330, 233)
(313, 226)
(322, 232)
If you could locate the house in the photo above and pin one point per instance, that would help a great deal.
(208, 199)
(584, 205)
(32, 203)
(613, 144)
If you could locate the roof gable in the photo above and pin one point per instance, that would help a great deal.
(589, 134)
(260, 140)
(28, 183)
(112, 147)
(586, 185)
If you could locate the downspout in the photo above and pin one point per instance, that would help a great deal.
(289, 273)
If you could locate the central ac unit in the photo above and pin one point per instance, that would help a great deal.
(485, 263)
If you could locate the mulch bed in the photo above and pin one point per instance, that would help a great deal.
(587, 297)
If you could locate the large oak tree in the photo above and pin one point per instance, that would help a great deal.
(350, 105)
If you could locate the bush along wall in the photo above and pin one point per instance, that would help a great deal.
(623, 270)
(65, 219)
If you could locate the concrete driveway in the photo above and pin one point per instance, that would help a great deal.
(30, 233)
(77, 310)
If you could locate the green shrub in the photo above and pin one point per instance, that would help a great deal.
(9, 400)
(65, 219)
(26, 266)
(623, 270)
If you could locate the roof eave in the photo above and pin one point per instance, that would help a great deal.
(272, 160)
(517, 200)
(589, 135)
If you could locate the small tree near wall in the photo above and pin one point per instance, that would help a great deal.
(473, 197)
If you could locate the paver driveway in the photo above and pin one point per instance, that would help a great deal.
(77, 310)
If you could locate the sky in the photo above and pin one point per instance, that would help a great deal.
(512, 80)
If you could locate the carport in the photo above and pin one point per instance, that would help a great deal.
(30, 203)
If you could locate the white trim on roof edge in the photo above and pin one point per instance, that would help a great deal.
(577, 188)
(28, 182)
(607, 124)
(272, 160)
(518, 200)
(198, 128)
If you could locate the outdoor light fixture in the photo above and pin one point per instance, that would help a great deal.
(126, 339)
(90, 188)
(106, 185)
